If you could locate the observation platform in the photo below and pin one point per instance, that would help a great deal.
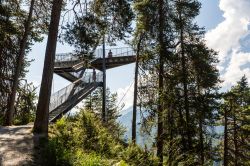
(72, 67)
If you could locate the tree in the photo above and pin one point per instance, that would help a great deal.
(42, 113)
(236, 124)
(186, 11)
(94, 104)
(206, 78)
(11, 20)
(19, 64)
(182, 70)
(16, 42)
(136, 89)
(153, 20)
(26, 104)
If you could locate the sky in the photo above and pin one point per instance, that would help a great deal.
(227, 23)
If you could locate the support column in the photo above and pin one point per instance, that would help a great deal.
(104, 110)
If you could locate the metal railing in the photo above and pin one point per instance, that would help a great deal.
(76, 74)
(115, 52)
(66, 93)
(64, 57)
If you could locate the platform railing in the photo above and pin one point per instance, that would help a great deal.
(64, 57)
(66, 93)
(116, 52)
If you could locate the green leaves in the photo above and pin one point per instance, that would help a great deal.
(84, 34)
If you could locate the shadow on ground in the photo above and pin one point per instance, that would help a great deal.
(16, 146)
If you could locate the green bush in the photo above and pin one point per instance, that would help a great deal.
(74, 140)
(134, 155)
(84, 141)
(84, 159)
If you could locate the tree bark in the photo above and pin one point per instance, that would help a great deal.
(42, 113)
(170, 130)
(104, 101)
(201, 119)
(226, 135)
(135, 91)
(201, 138)
(181, 130)
(18, 68)
(235, 139)
(160, 85)
(185, 89)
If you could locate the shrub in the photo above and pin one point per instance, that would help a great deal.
(134, 155)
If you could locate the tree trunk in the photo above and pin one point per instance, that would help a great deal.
(235, 139)
(160, 115)
(42, 113)
(18, 68)
(160, 86)
(135, 91)
(170, 130)
(201, 119)
(226, 135)
(201, 138)
(184, 82)
(104, 104)
(181, 130)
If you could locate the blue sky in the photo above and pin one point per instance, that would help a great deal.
(227, 25)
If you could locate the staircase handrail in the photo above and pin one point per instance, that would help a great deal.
(63, 94)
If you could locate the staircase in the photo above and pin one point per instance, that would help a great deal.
(73, 67)
(65, 99)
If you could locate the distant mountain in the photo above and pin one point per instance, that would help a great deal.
(126, 120)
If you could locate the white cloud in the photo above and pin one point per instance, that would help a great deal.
(225, 39)
(126, 95)
(234, 71)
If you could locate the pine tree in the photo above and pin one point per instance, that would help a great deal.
(19, 65)
(42, 113)
(93, 103)
(152, 20)
(236, 140)
(189, 78)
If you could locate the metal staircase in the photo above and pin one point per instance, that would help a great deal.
(72, 67)
(65, 99)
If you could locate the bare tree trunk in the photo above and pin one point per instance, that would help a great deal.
(104, 96)
(160, 86)
(135, 91)
(201, 119)
(18, 68)
(160, 115)
(226, 135)
(235, 139)
(184, 81)
(170, 130)
(42, 113)
(201, 138)
(181, 130)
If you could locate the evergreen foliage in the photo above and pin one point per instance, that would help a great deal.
(236, 111)
(190, 79)
(12, 28)
(83, 140)
(94, 104)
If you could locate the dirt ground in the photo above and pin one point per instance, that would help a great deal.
(16, 146)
